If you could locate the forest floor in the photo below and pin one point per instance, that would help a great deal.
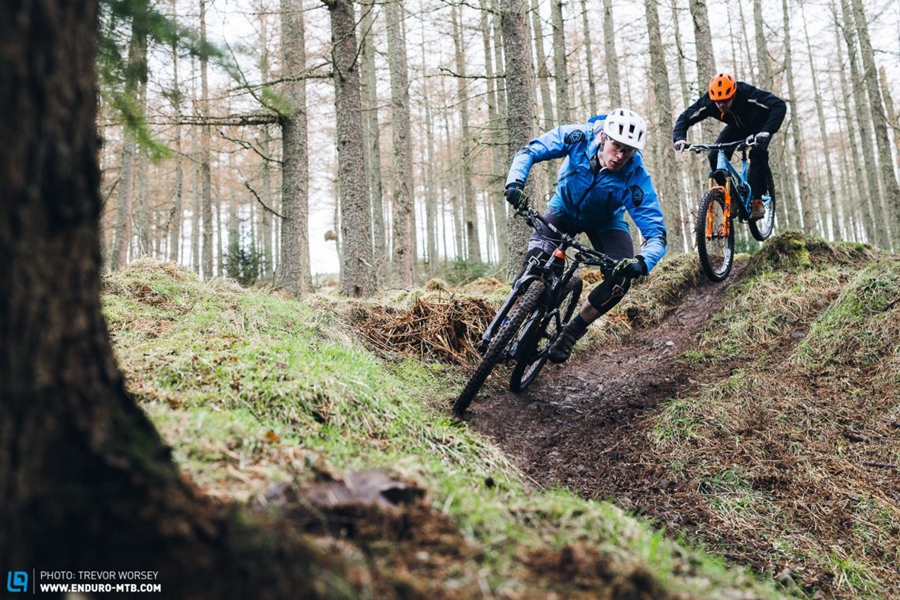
(756, 419)
(585, 424)
(765, 478)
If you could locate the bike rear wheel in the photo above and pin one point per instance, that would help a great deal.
(534, 343)
(496, 350)
(762, 228)
(715, 248)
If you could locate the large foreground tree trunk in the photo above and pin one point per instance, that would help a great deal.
(85, 481)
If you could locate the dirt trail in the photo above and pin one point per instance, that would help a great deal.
(584, 424)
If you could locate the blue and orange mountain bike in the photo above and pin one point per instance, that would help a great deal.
(729, 196)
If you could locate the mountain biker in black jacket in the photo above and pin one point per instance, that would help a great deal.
(746, 111)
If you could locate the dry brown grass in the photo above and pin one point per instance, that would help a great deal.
(445, 329)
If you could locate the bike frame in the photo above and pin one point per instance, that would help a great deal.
(540, 268)
(736, 180)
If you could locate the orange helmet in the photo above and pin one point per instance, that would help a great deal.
(722, 87)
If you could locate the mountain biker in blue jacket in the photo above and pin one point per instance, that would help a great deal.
(746, 111)
(601, 176)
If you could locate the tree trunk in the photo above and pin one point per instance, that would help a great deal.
(833, 206)
(560, 68)
(589, 60)
(205, 155)
(135, 73)
(863, 118)
(267, 265)
(782, 177)
(122, 238)
(496, 128)
(611, 59)
(219, 228)
(470, 209)
(141, 196)
(372, 137)
(859, 204)
(808, 206)
(543, 73)
(357, 278)
(500, 82)
(893, 118)
(666, 171)
(745, 38)
(890, 201)
(175, 215)
(295, 261)
(431, 212)
(141, 72)
(679, 49)
(706, 62)
(520, 107)
(85, 479)
(404, 228)
(764, 79)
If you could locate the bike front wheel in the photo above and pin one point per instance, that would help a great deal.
(496, 350)
(762, 228)
(534, 343)
(714, 246)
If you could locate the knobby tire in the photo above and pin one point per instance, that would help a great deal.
(497, 348)
(532, 358)
(714, 200)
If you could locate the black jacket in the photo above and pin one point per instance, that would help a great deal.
(753, 110)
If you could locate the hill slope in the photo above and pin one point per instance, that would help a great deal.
(722, 427)
(761, 416)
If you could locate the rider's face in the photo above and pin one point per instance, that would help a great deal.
(724, 106)
(613, 155)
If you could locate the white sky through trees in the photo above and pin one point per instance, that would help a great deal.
(235, 24)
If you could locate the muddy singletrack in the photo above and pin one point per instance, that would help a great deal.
(584, 425)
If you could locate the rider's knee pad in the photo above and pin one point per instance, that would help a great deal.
(533, 250)
(606, 295)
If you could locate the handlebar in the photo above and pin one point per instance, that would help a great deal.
(585, 254)
(738, 145)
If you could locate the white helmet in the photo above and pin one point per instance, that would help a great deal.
(626, 127)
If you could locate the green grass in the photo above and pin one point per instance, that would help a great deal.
(858, 329)
(251, 389)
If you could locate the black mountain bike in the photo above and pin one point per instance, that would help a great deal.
(728, 197)
(542, 300)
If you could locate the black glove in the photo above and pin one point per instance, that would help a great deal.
(680, 145)
(630, 268)
(515, 197)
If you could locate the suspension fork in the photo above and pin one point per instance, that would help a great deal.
(726, 192)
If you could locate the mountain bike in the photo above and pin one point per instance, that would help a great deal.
(542, 300)
(728, 189)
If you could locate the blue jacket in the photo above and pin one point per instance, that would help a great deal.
(593, 198)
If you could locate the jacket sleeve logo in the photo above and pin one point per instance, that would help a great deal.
(573, 137)
(637, 195)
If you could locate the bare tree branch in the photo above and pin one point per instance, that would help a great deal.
(258, 199)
